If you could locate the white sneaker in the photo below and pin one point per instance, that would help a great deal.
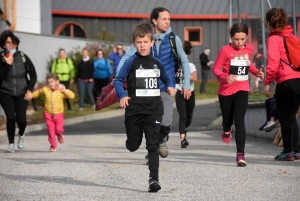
(10, 148)
(270, 125)
(21, 142)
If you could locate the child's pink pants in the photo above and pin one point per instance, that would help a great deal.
(55, 126)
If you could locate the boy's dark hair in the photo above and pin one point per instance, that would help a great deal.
(52, 76)
(142, 30)
(61, 49)
(155, 13)
(187, 47)
(277, 18)
(3, 37)
(238, 28)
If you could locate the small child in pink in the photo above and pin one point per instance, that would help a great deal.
(54, 108)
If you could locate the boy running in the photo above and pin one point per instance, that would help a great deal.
(144, 107)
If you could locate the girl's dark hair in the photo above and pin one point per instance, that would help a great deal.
(52, 76)
(155, 13)
(277, 18)
(238, 28)
(96, 53)
(187, 47)
(3, 37)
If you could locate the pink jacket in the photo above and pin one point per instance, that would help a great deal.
(277, 70)
(222, 67)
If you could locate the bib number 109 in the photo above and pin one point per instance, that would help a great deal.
(150, 83)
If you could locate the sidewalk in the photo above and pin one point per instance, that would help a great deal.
(98, 116)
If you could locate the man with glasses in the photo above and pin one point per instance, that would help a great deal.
(116, 56)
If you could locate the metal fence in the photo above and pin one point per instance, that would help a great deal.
(252, 13)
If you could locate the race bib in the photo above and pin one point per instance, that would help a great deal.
(147, 82)
(240, 69)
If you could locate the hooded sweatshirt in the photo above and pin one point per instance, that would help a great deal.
(277, 70)
(222, 67)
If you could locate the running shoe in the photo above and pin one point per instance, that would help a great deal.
(154, 186)
(60, 139)
(226, 137)
(10, 148)
(184, 143)
(285, 157)
(270, 125)
(52, 149)
(262, 127)
(240, 159)
(21, 142)
(163, 150)
(297, 156)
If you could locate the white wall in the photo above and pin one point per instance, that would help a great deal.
(28, 16)
(40, 47)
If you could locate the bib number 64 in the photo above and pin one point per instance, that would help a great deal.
(241, 70)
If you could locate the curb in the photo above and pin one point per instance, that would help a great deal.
(97, 116)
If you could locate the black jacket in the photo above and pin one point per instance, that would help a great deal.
(19, 77)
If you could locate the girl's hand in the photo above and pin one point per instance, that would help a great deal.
(61, 88)
(266, 91)
(171, 91)
(124, 102)
(231, 79)
(9, 59)
(28, 95)
(260, 74)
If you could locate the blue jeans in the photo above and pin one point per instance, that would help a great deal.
(88, 86)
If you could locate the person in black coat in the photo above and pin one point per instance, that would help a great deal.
(205, 67)
(17, 78)
(85, 76)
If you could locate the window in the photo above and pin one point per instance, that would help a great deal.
(193, 34)
(72, 29)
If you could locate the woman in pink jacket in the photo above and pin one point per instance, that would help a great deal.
(287, 80)
(231, 67)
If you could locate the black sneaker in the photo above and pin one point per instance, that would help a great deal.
(154, 186)
(285, 157)
(184, 143)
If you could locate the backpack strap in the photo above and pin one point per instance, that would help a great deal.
(173, 44)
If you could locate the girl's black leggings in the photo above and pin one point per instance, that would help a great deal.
(15, 111)
(233, 109)
(185, 110)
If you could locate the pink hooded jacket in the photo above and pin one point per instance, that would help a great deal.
(277, 70)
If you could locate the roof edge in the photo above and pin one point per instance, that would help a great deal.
(138, 15)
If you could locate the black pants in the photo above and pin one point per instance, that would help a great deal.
(185, 110)
(233, 109)
(271, 108)
(98, 85)
(205, 74)
(288, 101)
(150, 124)
(15, 111)
(67, 85)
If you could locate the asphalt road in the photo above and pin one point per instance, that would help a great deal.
(93, 164)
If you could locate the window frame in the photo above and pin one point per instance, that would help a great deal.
(64, 25)
(186, 35)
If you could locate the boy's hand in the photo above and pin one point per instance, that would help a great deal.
(28, 95)
(171, 91)
(124, 102)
